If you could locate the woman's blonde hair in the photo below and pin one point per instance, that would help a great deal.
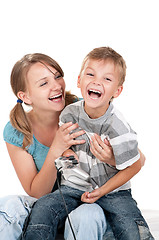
(18, 116)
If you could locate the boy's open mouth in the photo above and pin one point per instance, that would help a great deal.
(56, 97)
(94, 93)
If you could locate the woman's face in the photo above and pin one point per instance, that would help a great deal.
(46, 88)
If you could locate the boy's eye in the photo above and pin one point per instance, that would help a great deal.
(108, 79)
(90, 74)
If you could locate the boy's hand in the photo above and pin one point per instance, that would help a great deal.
(69, 153)
(102, 150)
(92, 197)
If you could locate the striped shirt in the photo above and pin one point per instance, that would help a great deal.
(112, 126)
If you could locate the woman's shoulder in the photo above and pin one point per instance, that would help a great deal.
(12, 135)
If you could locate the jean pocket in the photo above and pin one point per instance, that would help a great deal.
(5, 220)
(38, 232)
(144, 231)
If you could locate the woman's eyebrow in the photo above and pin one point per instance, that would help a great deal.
(48, 68)
(41, 79)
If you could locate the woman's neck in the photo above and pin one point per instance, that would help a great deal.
(44, 126)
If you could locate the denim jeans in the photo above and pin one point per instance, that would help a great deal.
(13, 211)
(89, 222)
(120, 209)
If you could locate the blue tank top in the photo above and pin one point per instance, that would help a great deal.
(37, 150)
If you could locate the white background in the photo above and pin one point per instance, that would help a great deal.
(67, 30)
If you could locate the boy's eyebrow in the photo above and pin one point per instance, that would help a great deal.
(89, 68)
(94, 70)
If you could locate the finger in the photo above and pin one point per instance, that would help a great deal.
(92, 149)
(84, 196)
(77, 134)
(93, 194)
(96, 153)
(97, 147)
(107, 142)
(88, 200)
(68, 127)
(99, 141)
(76, 142)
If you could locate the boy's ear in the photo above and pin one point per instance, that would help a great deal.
(118, 91)
(24, 97)
(78, 81)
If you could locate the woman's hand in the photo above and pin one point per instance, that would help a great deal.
(65, 138)
(102, 150)
(142, 158)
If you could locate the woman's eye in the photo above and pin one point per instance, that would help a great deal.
(58, 76)
(43, 84)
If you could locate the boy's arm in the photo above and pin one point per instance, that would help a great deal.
(116, 181)
(103, 151)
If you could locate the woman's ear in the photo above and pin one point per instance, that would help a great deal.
(118, 91)
(24, 97)
(78, 81)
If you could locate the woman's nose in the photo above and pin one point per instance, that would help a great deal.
(55, 85)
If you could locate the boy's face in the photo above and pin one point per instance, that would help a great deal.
(99, 82)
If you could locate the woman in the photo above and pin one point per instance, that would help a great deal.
(34, 139)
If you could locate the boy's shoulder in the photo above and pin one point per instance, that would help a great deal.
(73, 107)
(118, 122)
(71, 112)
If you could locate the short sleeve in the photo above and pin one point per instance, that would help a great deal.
(12, 135)
(123, 140)
(125, 149)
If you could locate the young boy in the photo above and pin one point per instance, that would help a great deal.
(101, 79)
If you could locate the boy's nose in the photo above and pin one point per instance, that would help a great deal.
(97, 81)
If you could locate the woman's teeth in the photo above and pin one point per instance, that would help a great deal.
(55, 97)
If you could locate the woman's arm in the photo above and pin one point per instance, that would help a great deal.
(37, 184)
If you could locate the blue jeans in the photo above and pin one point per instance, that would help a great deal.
(13, 211)
(89, 222)
(120, 209)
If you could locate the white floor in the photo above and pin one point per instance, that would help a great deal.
(152, 218)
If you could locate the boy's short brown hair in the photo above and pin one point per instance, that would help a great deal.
(105, 53)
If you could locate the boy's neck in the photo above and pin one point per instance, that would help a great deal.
(95, 113)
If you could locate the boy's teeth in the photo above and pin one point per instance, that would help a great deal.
(94, 92)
